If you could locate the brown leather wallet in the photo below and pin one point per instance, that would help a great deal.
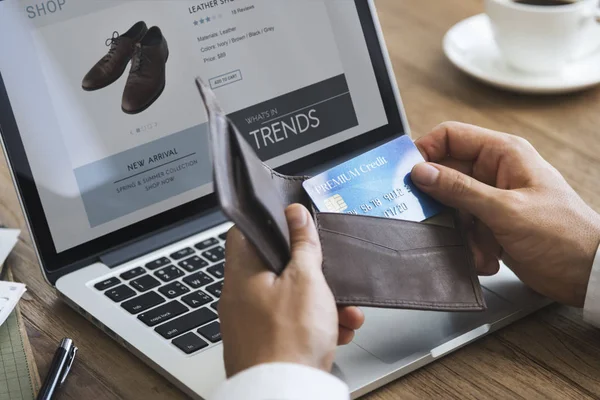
(367, 261)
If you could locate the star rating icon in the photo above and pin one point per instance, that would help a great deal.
(206, 20)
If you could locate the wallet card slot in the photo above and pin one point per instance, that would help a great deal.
(363, 273)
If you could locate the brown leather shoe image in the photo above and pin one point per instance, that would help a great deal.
(113, 64)
(147, 77)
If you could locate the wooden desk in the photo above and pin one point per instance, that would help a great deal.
(552, 354)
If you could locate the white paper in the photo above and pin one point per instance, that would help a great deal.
(10, 292)
(8, 240)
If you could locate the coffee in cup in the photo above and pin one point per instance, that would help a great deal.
(546, 2)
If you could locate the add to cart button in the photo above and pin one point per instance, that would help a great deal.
(226, 79)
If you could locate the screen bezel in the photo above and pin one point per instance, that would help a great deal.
(57, 264)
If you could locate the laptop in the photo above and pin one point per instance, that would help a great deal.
(107, 142)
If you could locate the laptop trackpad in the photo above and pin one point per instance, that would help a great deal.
(394, 335)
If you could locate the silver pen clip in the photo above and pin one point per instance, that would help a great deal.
(68, 366)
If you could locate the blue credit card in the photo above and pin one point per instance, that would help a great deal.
(376, 183)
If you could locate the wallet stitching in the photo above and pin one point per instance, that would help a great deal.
(410, 303)
(386, 247)
(437, 305)
(285, 177)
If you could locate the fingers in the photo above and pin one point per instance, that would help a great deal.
(486, 249)
(457, 190)
(345, 336)
(466, 167)
(457, 140)
(351, 317)
(486, 150)
(241, 259)
(306, 247)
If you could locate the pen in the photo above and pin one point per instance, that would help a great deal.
(59, 369)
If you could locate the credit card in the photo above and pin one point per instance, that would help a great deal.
(376, 183)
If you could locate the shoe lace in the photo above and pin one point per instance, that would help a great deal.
(139, 59)
(112, 42)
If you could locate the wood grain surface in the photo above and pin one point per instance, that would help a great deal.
(552, 354)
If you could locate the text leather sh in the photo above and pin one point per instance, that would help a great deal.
(367, 261)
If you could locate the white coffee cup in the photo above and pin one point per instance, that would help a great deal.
(544, 38)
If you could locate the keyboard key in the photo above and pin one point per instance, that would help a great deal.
(120, 293)
(211, 331)
(196, 299)
(198, 280)
(107, 284)
(145, 283)
(189, 343)
(215, 255)
(217, 270)
(178, 255)
(206, 244)
(169, 273)
(133, 273)
(215, 306)
(186, 323)
(143, 302)
(162, 313)
(174, 289)
(223, 236)
(215, 289)
(161, 262)
(193, 264)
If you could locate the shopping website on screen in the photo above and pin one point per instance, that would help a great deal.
(113, 125)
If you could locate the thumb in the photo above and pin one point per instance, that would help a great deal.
(306, 247)
(455, 189)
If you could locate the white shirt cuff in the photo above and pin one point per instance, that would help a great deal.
(282, 382)
(591, 311)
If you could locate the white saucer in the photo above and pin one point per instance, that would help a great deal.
(470, 46)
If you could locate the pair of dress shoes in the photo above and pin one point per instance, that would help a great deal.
(148, 52)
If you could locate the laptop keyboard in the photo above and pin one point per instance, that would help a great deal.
(177, 296)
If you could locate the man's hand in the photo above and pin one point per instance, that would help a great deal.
(517, 207)
(289, 318)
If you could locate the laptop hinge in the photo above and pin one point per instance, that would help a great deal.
(162, 239)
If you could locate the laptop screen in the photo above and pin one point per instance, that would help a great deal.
(110, 120)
